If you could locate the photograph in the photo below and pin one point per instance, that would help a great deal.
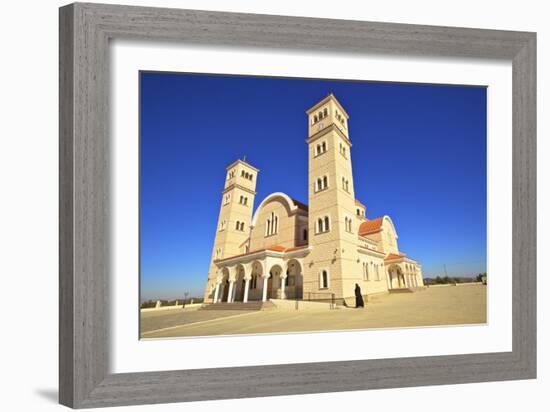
(279, 205)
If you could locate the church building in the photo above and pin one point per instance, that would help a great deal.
(286, 249)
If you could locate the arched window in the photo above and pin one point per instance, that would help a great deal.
(305, 235)
(272, 224)
(325, 112)
(242, 173)
(319, 225)
(323, 279)
(327, 224)
(348, 223)
(345, 184)
(315, 119)
(324, 146)
(377, 271)
(322, 183)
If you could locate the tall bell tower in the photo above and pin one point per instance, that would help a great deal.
(332, 266)
(234, 218)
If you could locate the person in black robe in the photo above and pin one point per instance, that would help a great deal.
(358, 297)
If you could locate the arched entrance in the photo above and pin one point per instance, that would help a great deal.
(294, 280)
(274, 282)
(224, 291)
(256, 282)
(239, 284)
(397, 277)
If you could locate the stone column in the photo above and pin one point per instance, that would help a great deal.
(216, 293)
(230, 293)
(246, 287)
(264, 289)
(283, 280)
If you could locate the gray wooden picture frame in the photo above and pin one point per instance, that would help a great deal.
(85, 31)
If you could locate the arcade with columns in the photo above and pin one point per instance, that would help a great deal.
(267, 274)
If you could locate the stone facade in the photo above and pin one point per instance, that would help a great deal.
(319, 251)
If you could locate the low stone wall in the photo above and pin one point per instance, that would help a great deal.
(454, 284)
(289, 304)
(189, 306)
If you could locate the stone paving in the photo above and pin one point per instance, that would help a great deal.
(434, 306)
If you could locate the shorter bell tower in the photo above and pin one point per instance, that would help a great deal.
(234, 218)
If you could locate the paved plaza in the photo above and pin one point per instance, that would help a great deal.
(442, 305)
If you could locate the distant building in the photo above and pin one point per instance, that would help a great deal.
(287, 249)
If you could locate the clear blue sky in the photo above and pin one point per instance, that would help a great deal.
(419, 155)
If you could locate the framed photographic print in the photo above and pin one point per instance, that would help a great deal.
(260, 205)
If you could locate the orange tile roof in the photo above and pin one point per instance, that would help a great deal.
(274, 248)
(393, 256)
(370, 226)
(300, 205)
(290, 249)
